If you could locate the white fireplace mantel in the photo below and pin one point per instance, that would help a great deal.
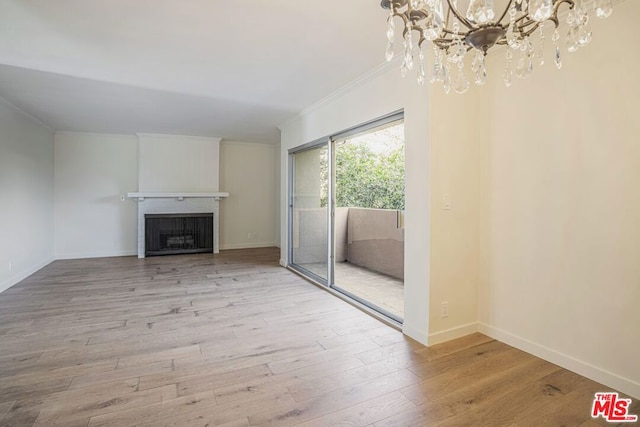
(177, 202)
(180, 195)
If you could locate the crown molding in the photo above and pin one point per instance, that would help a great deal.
(365, 78)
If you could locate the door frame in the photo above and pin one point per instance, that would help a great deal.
(329, 142)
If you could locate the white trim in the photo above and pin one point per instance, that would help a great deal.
(416, 333)
(21, 276)
(27, 115)
(98, 134)
(174, 195)
(226, 247)
(269, 144)
(84, 255)
(192, 138)
(585, 369)
(283, 263)
(453, 333)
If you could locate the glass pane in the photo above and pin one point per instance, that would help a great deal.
(310, 209)
(369, 218)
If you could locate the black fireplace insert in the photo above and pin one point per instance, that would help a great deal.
(172, 234)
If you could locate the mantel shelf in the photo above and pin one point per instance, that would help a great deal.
(177, 195)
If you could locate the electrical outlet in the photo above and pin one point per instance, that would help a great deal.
(446, 202)
(445, 309)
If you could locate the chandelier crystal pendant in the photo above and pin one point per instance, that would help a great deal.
(470, 28)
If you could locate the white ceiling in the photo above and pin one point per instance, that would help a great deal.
(233, 69)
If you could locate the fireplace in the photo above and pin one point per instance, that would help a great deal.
(171, 234)
(178, 205)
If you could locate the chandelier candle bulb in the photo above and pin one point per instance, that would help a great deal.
(456, 33)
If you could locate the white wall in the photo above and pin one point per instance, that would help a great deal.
(168, 163)
(92, 172)
(26, 196)
(247, 173)
(278, 171)
(380, 93)
(560, 271)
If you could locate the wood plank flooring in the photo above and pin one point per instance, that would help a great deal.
(236, 340)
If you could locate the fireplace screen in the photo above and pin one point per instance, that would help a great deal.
(170, 234)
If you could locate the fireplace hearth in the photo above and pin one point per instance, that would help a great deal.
(172, 234)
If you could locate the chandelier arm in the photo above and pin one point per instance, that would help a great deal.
(395, 7)
(448, 19)
(407, 23)
(529, 32)
(522, 28)
(554, 15)
(522, 18)
(499, 21)
(556, 7)
(453, 33)
(461, 18)
(526, 32)
(442, 44)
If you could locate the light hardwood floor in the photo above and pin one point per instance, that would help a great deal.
(236, 340)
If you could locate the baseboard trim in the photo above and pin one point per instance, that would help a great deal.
(416, 333)
(23, 275)
(135, 252)
(247, 246)
(453, 333)
(585, 369)
(84, 255)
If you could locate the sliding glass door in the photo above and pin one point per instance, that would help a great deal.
(369, 217)
(309, 211)
(346, 214)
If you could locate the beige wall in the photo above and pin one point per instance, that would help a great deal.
(560, 243)
(247, 172)
(454, 179)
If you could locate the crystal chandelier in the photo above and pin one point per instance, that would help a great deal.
(455, 35)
